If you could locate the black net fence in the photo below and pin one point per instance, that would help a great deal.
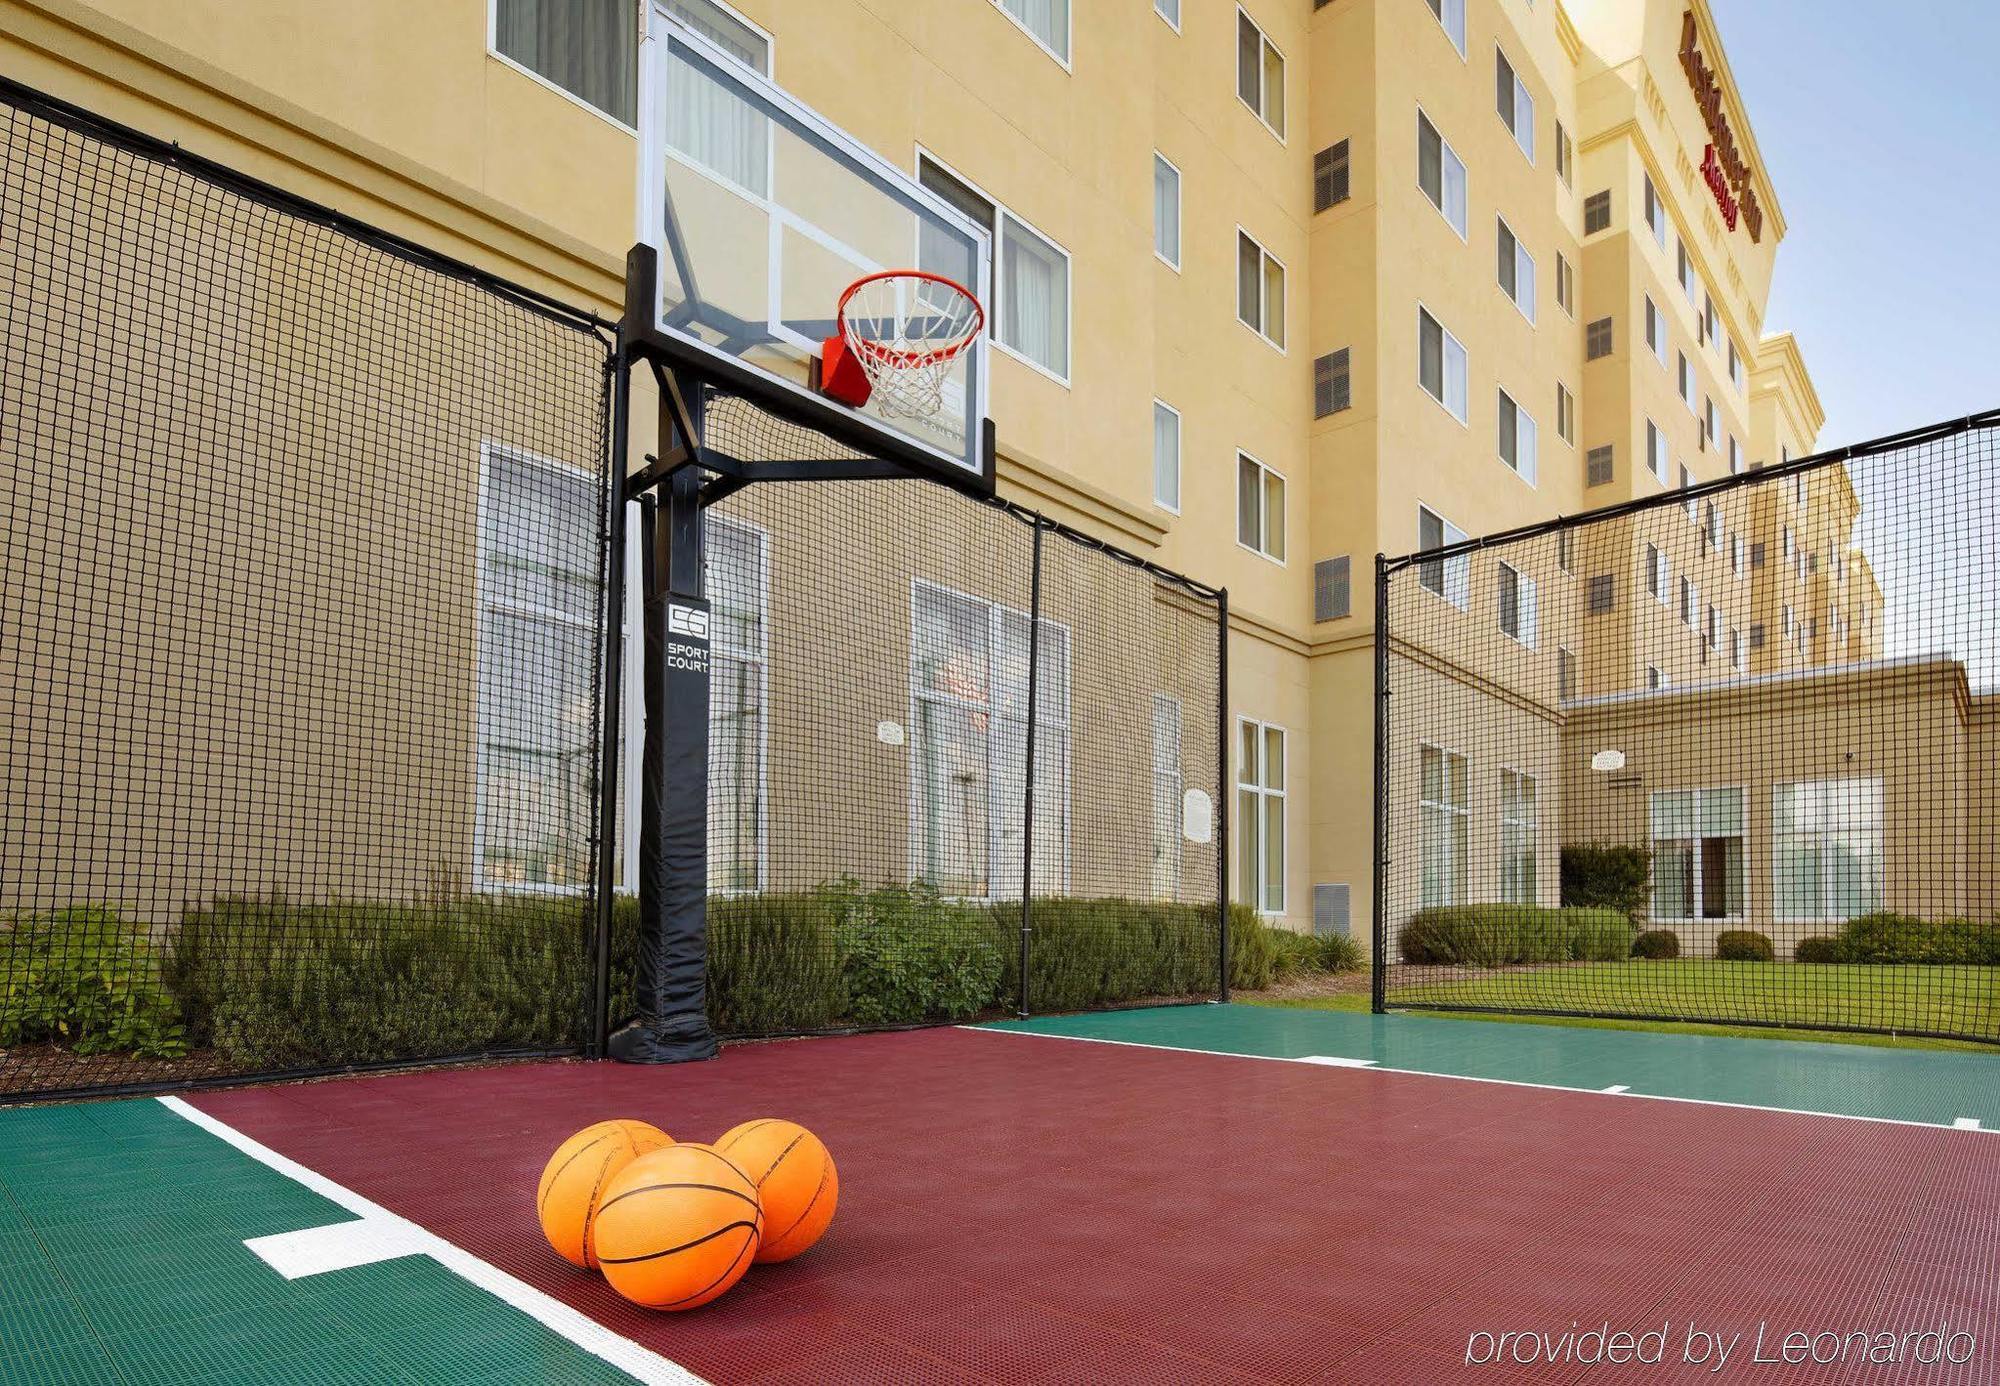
(888, 660)
(1730, 755)
(300, 627)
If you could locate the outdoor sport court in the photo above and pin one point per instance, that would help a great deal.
(1213, 1193)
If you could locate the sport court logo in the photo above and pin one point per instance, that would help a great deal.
(689, 621)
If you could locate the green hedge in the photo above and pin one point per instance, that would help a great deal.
(1657, 945)
(1818, 949)
(276, 985)
(1744, 945)
(1509, 935)
(1608, 875)
(1296, 954)
(1885, 937)
(86, 979)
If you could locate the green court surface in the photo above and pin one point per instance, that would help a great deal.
(122, 1259)
(1927, 1087)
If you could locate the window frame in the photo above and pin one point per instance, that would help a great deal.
(1464, 233)
(1174, 264)
(1266, 471)
(1444, 374)
(1172, 21)
(1694, 878)
(1449, 812)
(1454, 575)
(1532, 824)
(1265, 47)
(1778, 837)
(1458, 40)
(1259, 785)
(1532, 472)
(1527, 607)
(1062, 59)
(1180, 452)
(1266, 260)
(762, 659)
(493, 51)
(1655, 209)
(1521, 256)
(1521, 94)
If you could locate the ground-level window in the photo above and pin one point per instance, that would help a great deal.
(1827, 848)
(968, 747)
(1167, 780)
(1260, 815)
(1698, 853)
(738, 585)
(1446, 818)
(1517, 837)
(538, 595)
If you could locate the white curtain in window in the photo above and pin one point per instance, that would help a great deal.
(1166, 211)
(1034, 298)
(1166, 456)
(589, 48)
(1047, 20)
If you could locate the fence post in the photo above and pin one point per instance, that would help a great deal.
(1028, 779)
(1379, 925)
(610, 708)
(1224, 794)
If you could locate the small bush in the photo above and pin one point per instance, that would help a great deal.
(1744, 945)
(1823, 948)
(1657, 945)
(88, 980)
(1512, 935)
(1884, 937)
(1300, 955)
(1608, 875)
(908, 956)
(1104, 951)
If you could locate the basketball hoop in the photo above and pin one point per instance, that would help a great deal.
(899, 333)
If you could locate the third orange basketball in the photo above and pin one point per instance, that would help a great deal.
(797, 1184)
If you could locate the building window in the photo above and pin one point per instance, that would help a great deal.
(1602, 594)
(1166, 457)
(1691, 507)
(1597, 339)
(1169, 10)
(1565, 414)
(1260, 290)
(1445, 823)
(1260, 73)
(1698, 854)
(1656, 215)
(1711, 325)
(1565, 156)
(1440, 174)
(737, 583)
(1333, 389)
(1736, 554)
(1600, 466)
(1712, 635)
(1260, 816)
(538, 593)
(1330, 176)
(1451, 14)
(1441, 367)
(1045, 21)
(1518, 439)
(1565, 284)
(1597, 212)
(1686, 381)
(1516, 270)
(1735, 456)
(1707, 421)
(1736, 657)
(1450, 578)
(1517, 838)
(1655, 680)
(969, 710)
(1260, 508)
(1518, 606)
(1565, 675)
(1166, 210)
(1713, 532)
(1031, 315)
(1735, 366)
(1657, 580)
(1689, 602)
(588, 48)
(1684, 271)
(1827, 846)
(1563, 538)
(1656, 452)
(1516, 107)
(1656, 330)
(1167, 781)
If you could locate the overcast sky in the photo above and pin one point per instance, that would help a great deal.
(1880, 123)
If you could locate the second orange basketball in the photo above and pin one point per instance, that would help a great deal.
(796, 1181)
(677, 1227)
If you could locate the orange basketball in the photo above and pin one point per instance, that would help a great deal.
(573, 1182)
(677, 1227)
(797, 1184)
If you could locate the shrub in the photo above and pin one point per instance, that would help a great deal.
(87, 979)
(1885, 937)
(1608, 875)
(1744, 945)
(1297, 955)
(1657, 945)
(1103, 951)
(1822, 948)
(776, 963)
(1510, 935)
(909, 956)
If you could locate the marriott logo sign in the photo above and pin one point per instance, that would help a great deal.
(1722, 165)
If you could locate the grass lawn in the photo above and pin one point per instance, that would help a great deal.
(1893, 998)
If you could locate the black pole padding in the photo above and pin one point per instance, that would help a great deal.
(1028, 779)
(1379, 927)
(672, 971)
(1224, 793)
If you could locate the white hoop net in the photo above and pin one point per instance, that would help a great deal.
(907, 328)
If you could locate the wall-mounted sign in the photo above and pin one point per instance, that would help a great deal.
(1722, 166)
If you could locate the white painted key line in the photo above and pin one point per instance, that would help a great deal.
(379, 1235)
(1616, 1090)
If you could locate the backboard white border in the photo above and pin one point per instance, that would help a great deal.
(658, 27)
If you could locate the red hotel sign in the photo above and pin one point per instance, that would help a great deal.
(1722, 167)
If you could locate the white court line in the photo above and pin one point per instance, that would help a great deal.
(1504, 1082)
(1336, 1061)
(337, 1246)
(1965, 1124)
(1617, 1087)
(579, 1328)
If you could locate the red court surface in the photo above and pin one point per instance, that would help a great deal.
(1025, 1208)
